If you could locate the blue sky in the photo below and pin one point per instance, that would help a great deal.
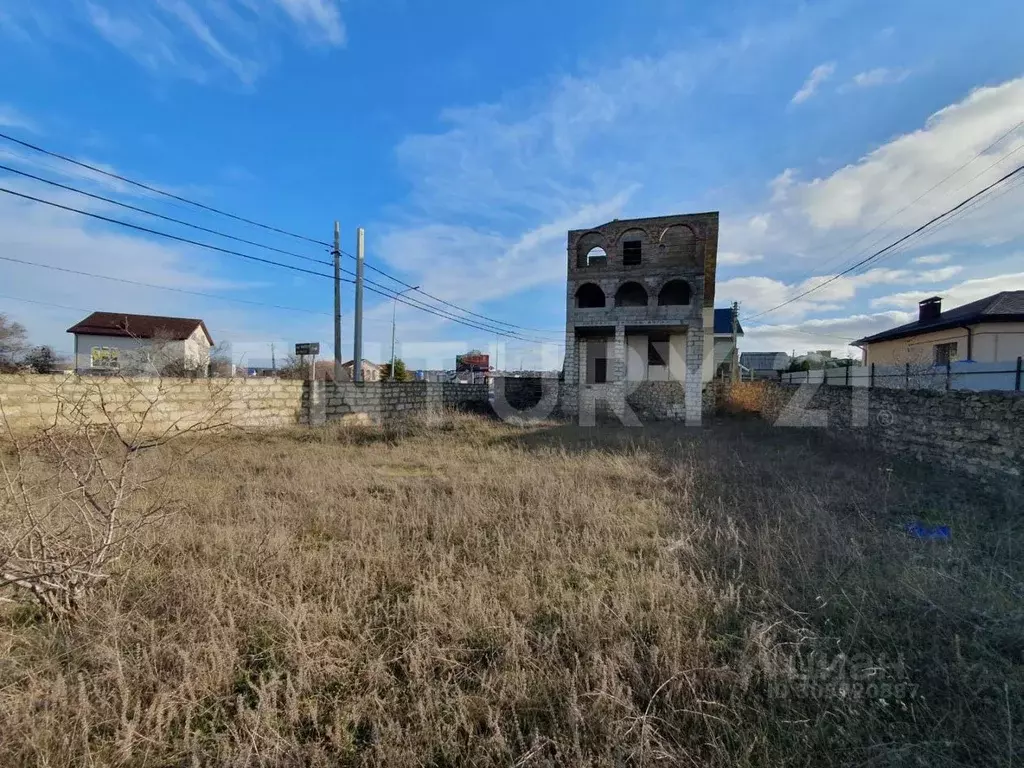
(467, 138)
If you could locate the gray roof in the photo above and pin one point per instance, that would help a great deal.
(764, 361)
(1007, 306)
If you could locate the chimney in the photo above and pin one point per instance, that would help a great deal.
(929, 309)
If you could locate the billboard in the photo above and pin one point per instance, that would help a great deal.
(474, 361)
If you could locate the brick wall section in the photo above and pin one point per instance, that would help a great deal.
(978, 433)
(30, 401)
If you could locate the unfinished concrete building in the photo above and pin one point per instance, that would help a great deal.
(640, 310)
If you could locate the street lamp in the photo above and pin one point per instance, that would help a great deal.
(394, 309)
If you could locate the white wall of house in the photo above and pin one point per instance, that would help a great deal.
(139, 356)
(638, 364)
(636, 357)
(998, 342)
(196, 351)
(992, 343)
(677, 356)
(723, 349)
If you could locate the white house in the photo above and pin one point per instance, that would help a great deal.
(723, 343)
(114, 342)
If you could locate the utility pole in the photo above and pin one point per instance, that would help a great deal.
(357, 346)
(735, 348)
(273, 359)
(337, 302)
(394, 309)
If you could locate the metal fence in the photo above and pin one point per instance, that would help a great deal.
(962, 375)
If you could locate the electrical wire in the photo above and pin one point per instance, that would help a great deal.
(171, 219)
(82, 273)
(211, 209)
(392, 295)
(878, 254)
(440, 300)
(155, 190)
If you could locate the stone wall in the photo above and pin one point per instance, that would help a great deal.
(33, 401)
(978, 433)
(387, 401)
(550, 398)
(30, 402)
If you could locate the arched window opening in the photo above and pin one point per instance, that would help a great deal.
(631, 295)
(590, 296)
(674, 293)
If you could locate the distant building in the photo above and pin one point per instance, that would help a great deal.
(989, 330)
(118, 343)
(723, 340)
(371, 371)
(765, 364)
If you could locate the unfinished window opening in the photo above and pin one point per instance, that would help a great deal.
(596, 256)
(632, 251)
(678, 245)
(654, 352)
(601, 370)
(945, 353)
(631, 295)
(674, 293)
(589, 296)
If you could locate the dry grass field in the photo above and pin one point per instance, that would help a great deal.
(470, 593)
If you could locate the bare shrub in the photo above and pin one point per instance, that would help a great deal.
(76, 494)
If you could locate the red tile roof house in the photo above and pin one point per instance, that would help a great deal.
(141, 345)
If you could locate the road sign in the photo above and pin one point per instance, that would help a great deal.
(310, 348)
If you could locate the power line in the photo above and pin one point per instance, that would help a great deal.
(170, 195)
(195, 226)
(442, 301)
(891, 246)
(171, 219)
(82, 273)
(924, 194)
(155, 190)
(412, 303)
(982, 172)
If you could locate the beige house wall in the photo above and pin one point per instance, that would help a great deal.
(992, 343)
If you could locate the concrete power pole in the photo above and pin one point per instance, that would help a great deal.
(735, 346)
(337, 302)
(357, 345)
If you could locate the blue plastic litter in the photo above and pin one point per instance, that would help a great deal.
(930, 532)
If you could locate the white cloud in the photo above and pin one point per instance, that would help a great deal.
(734, 259)
(955, 295)
(834, 334)
(12, 118)
(887, 179)
(818, 75)
(934, 258)
(200, 41)
(879, 76)
(320, 18)
(759, 293)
